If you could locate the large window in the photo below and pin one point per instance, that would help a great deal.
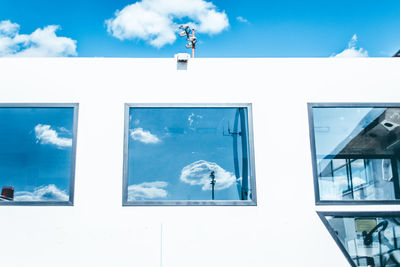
(366, 238)
(188, 155)
(356, 153)
(37, 153)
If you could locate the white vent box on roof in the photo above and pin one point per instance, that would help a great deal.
(182, 57)
(182, 60)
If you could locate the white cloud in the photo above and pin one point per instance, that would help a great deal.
(155, 21)
(148, 190)
(42, 193)
(144, 136)
(8, 28)
(241, 19)
(41, 43)
(198, 173)
(191, 118)
(64, 130)
(46, 135)
(351, 50)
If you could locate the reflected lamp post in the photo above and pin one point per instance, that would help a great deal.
(212, 176)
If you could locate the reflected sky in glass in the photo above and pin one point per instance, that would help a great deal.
(35, 152)
(333, 126)
(173, 151)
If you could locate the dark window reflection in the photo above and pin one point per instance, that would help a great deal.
(357, 152)
(369, 241)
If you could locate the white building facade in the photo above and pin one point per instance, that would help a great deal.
(282, 230)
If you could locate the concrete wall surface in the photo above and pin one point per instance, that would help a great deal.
(282, 230)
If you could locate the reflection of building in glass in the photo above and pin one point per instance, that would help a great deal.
(366, 239)
(364, 165)
(356, 153)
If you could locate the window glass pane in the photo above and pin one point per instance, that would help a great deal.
(36, 154)
(357, 149)
(358, 181)
(368, 240)
(188, 154)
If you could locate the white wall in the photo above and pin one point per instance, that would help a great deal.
(283, 230)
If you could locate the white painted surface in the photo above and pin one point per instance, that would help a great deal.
(283, 230)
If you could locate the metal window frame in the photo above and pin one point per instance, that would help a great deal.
(322, 214)
(75, 107)
(252, 173)
(310, 107)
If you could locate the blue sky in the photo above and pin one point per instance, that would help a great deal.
(173, 151)
(35, 152)
(252, 28)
